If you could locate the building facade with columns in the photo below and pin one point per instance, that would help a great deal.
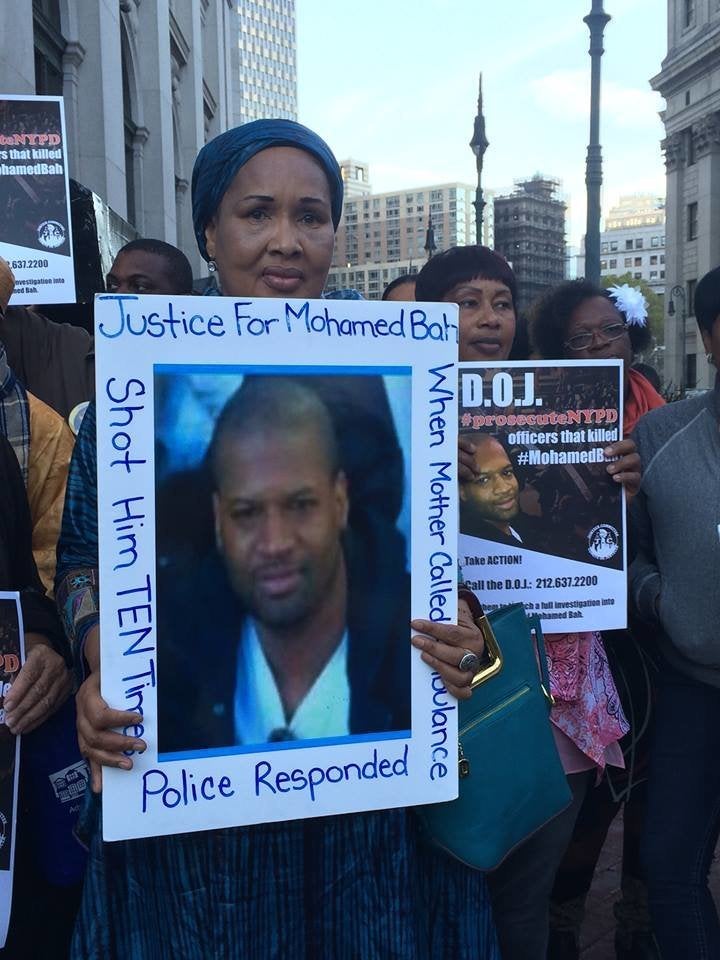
(145, 84)
(690, 83)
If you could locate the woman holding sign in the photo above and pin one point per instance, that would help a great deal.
(483, 285)
(578, 321)
(38, 691)
(267, 198)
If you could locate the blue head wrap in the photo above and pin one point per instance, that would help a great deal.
(221, 158)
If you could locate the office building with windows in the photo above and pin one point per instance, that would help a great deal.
(383, 235)
(634, 241)
(689, 80)
(267, 76)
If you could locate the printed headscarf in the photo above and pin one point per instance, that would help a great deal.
(221, 158)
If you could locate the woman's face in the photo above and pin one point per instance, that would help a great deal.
(273, 235)
(487, 319)
(598, 317)
(711, 341)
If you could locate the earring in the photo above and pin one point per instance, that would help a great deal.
(710, 359)
(212, 265)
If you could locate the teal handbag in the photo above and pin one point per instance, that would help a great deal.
(511, 779)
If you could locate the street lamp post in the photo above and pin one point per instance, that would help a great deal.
(479, 145)
(430, 245)
(596, 20)
(678, 292)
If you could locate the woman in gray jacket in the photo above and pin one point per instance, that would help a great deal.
(674, 582)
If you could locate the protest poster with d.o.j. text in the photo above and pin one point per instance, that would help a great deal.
(542, 522)
(277, 500)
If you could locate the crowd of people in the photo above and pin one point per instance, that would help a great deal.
(633, 727)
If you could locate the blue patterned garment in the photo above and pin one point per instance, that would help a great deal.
(357, 887)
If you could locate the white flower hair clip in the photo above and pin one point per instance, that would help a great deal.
(630, 301)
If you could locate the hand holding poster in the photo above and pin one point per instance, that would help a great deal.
(255, 524)
(541, 521)
(35, 227)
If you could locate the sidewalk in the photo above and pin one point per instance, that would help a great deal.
(599, 928)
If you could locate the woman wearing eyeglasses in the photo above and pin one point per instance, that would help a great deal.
(579, 321)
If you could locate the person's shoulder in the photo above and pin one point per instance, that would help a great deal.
(47, 428)
(671, 417)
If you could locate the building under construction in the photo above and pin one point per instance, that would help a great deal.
(530, 233)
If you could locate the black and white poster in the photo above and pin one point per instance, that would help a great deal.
(35, 227)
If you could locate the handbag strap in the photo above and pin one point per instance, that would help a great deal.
(495, 657)
(536, 630)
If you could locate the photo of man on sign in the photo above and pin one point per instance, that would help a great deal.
(272, 636)
(490, 502)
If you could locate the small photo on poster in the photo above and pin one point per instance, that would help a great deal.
(282, 542)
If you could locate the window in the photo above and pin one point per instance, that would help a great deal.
(688, 14)
(628, 244)
(691, 370)
(655, 242)
(613, 246)
(604, 247)
(627, 262)
(603, 264)
(637, 276)
(653, 274)
(691, 285)
(692, 221)
(613, 264)
(639, 243)
(638, 261)
(653, 261)
(49, 46)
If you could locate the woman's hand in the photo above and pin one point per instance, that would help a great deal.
(445, 644)
(41, 687)
(626, 467)
(99, 743)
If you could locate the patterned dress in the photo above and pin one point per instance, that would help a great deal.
(356, 887)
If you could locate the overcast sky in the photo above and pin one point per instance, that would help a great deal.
(394, 83)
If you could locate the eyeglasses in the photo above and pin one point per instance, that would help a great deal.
(581, 341)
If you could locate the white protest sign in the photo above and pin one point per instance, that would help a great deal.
(35, 227)
(543, 523)
(271, 472)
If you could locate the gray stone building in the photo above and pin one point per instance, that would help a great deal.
(690, 83)
(145, 84)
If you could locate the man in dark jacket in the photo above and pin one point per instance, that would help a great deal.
(297, 628)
